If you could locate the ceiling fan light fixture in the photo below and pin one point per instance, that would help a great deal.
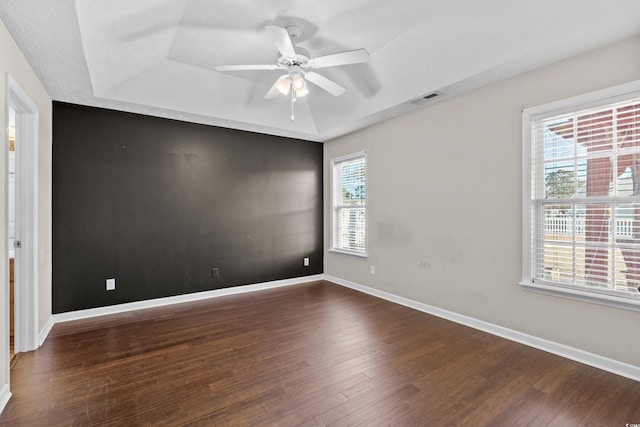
(299, 85)
(302, 92)
(284, 85)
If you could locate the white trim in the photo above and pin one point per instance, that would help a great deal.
(26, 267)
(197, 296)
(364, 154)
(527, 261)
(597, 361)
(338, 159)
(5, 395)
(580, 295)
(591, 359)
(26, 273)
(345, 252)
(44, 333)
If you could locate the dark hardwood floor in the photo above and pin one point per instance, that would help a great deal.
(314, 354)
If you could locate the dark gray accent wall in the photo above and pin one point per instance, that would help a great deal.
(157, 203)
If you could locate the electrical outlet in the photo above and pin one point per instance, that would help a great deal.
(214, 272)
(306, 262)
(111, 284)
(372, 269)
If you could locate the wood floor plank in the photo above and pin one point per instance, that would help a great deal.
(313, 355)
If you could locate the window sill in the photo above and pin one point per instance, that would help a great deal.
(356, 254)
(576, 294)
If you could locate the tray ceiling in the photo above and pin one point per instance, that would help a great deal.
(157, 57)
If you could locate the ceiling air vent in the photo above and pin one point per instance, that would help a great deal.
(423, 100)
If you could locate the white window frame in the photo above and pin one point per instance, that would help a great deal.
(333, 162)
(529, 115)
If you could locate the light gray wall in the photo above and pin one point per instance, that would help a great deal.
(13, 62)
(444, 187)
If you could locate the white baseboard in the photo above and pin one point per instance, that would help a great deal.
(45, 331)
(197, 296)
(591, 359)
(5, 395)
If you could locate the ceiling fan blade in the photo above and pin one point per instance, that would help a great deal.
(282, 40)
(329, 85)
(274, 91)
(246, 67)
(342, 58)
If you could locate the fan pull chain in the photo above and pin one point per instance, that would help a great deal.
(293, 99)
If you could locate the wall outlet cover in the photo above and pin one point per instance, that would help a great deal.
(111, 284)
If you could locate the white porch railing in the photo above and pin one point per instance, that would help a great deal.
(564, 226)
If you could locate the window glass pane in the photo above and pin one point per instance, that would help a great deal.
(627, 236)
(625, 181)
(594, 130)
(557, 140)
(558, 262)
(560, 180)
(559, 222)
(352, 182)
(351, 229)
(597, 244)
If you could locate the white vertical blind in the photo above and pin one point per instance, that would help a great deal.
(349, 203)
(585, 198)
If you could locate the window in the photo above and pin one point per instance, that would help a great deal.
(349, 204)
(582, 195)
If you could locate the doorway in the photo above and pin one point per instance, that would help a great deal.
(21, 226)
(11, 235)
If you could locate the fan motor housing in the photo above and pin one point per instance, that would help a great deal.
(301, 59)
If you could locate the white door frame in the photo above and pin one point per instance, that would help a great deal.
(26, 258)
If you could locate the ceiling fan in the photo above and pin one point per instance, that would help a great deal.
(297, 62)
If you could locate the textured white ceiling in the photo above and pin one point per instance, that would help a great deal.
(157, 56)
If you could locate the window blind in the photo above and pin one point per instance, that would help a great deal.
(585, 178)
(349, 195)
